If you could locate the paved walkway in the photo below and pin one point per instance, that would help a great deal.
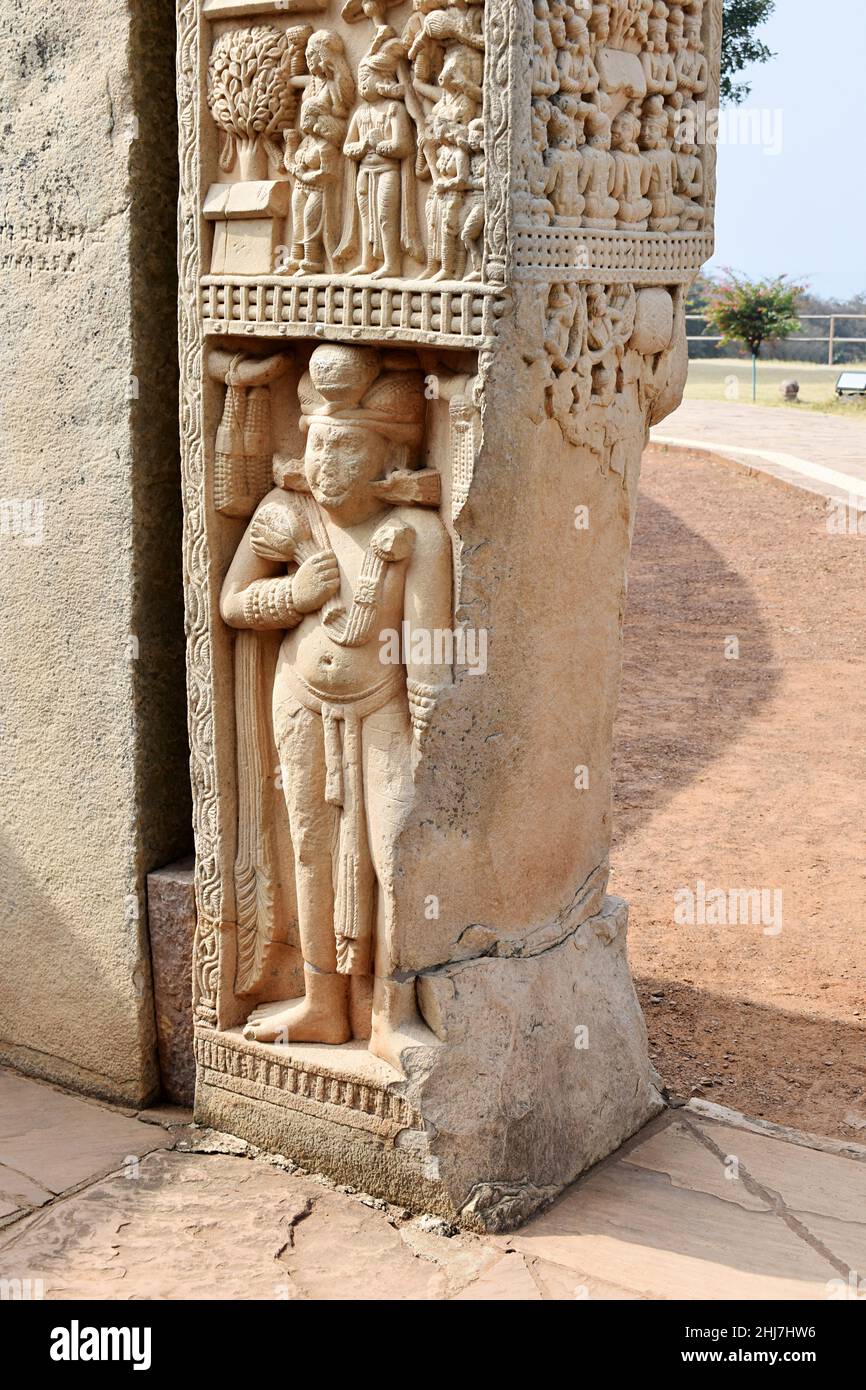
(99, 1203)
(820, 453)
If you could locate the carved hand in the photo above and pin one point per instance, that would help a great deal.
(316, 580)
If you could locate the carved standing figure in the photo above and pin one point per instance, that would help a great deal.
(381, 215)
(444, 206)
(472, 212)
(315, 167)
(316, 174)
(610, 321)
(330, 561)
(448, 154)
(564, 160)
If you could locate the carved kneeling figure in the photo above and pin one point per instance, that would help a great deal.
(328, 559)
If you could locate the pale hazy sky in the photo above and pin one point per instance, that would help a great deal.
(802, 210)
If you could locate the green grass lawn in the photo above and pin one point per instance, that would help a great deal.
(731, 379)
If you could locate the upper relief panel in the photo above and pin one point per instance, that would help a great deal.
(343, 169)
(614, 183)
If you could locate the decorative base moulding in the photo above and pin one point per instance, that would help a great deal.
(545, 1071)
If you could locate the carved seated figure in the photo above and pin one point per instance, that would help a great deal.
(577, 73)
(662, 164)
(330, 561)
(597, 174)
(632, 174)
(690, 186)
(657, 59)
(691, 66)
(566, 166)
(545, 77)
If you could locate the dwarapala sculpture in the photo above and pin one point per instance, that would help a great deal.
(335, 557)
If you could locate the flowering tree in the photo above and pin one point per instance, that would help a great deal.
(753, 312)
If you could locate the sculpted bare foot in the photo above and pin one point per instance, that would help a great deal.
(397, 1025)
(297, 1021)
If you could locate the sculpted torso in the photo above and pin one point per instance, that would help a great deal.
(311, 652)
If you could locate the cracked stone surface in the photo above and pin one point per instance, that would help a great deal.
(691, 1208)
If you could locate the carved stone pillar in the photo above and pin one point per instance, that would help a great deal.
(411, 453)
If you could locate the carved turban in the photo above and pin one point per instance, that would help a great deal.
(358, 386)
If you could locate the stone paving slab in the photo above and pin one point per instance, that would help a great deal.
(637, 1230)
(18, 1193)
(819, 453)
(198, 1217)
(59, 1140)
(691, 1167)
(199, 1226)
(824, 1185)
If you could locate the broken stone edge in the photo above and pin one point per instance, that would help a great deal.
(562, 1102)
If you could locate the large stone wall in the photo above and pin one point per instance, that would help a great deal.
(93, 778)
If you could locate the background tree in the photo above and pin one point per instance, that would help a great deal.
(739, 45)
(754, 312)
(850, 312)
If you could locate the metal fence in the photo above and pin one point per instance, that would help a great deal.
(833, 338)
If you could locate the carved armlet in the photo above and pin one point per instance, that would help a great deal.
(268, 604)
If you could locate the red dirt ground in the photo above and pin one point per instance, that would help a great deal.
(746, 773)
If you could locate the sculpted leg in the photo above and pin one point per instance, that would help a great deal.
(397, 1023)
(322, 1015)
(365, 212)
(387, 212)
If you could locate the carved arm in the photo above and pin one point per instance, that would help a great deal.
(427, 607)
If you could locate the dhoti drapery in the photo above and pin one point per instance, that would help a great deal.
(354, 876)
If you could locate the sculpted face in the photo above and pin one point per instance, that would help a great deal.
(341, 461)
(367, 83)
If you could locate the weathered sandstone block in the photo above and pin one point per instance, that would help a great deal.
(411, 454)
(92, 758)
(171, 928)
